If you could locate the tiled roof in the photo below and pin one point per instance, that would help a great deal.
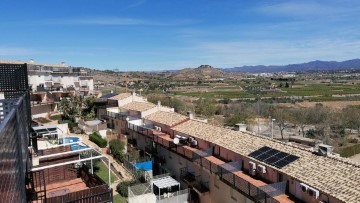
(337, 177)
(166, 118)
(138, 106)
(120, 96)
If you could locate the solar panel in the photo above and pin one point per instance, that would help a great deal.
(271, 160)
(291, 158)
(255, 153)
(273, 156)
(262, 157)
(259, 151)
(272, 152)
(281, 163)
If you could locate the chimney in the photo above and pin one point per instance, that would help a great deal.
(112, 91)
(190, 115)
(240, 127)
(159, 104)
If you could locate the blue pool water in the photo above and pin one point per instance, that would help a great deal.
(146, 166)
(76, 147)
(67, 140)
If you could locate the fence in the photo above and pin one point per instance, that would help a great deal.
(14, 141)
(92, 195)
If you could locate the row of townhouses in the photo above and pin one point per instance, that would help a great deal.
(222, 165)
(34, 168)
(49, 83)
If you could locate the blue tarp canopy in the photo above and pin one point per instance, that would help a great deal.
(146, 166)
(107, 96)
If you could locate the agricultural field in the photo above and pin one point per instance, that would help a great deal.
(311, 92)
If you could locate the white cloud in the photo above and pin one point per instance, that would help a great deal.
(118, 21)
(311, 9)
(16, 51)
(266, 52)
(136, 4)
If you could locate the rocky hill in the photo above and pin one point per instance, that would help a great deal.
(202, 72)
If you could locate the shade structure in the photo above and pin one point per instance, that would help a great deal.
(165, 182)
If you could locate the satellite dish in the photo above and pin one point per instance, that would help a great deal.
(176, 140)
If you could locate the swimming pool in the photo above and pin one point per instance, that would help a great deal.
(67, 140)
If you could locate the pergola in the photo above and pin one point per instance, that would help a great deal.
(165, 183)
(46, 130)
(98, 155)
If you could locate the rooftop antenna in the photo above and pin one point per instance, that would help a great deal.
(127, 81)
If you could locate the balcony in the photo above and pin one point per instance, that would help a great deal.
(61, 177)
(229, 172)
(193, 181)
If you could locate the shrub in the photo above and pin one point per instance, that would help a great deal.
(353, 140)
(117, 149)
(350, 151)
(70, 123)
(56, 117)
(122, 188)
(41, 120)
(97, 139)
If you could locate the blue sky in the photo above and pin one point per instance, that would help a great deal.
(174, 34)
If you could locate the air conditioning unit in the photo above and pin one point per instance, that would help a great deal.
(304, 187)
(313, 192)
(194, 143)
(252, 165)
(159, 128)
(191, 139)
(261, 168)
(252, 172)
(183, 140)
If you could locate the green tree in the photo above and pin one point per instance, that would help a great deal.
(70, 107)
(351, 116)
(282, 116)
(117, 148)
(205, 107)
(300, 117)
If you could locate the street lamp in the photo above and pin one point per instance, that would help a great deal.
(272, 128)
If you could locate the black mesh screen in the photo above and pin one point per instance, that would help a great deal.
(15, 120)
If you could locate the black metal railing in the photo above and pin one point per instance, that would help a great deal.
(241, 185)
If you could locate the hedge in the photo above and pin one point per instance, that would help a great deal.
(350, 150)
(97, 139)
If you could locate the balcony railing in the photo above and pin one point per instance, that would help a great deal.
(194, 181)
(96, 194)
(227, 176)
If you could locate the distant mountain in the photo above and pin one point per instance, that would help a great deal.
(310, 66)
(202, 72)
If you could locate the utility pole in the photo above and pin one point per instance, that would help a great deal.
(258, 105)
(272, 128)
(116, 76)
